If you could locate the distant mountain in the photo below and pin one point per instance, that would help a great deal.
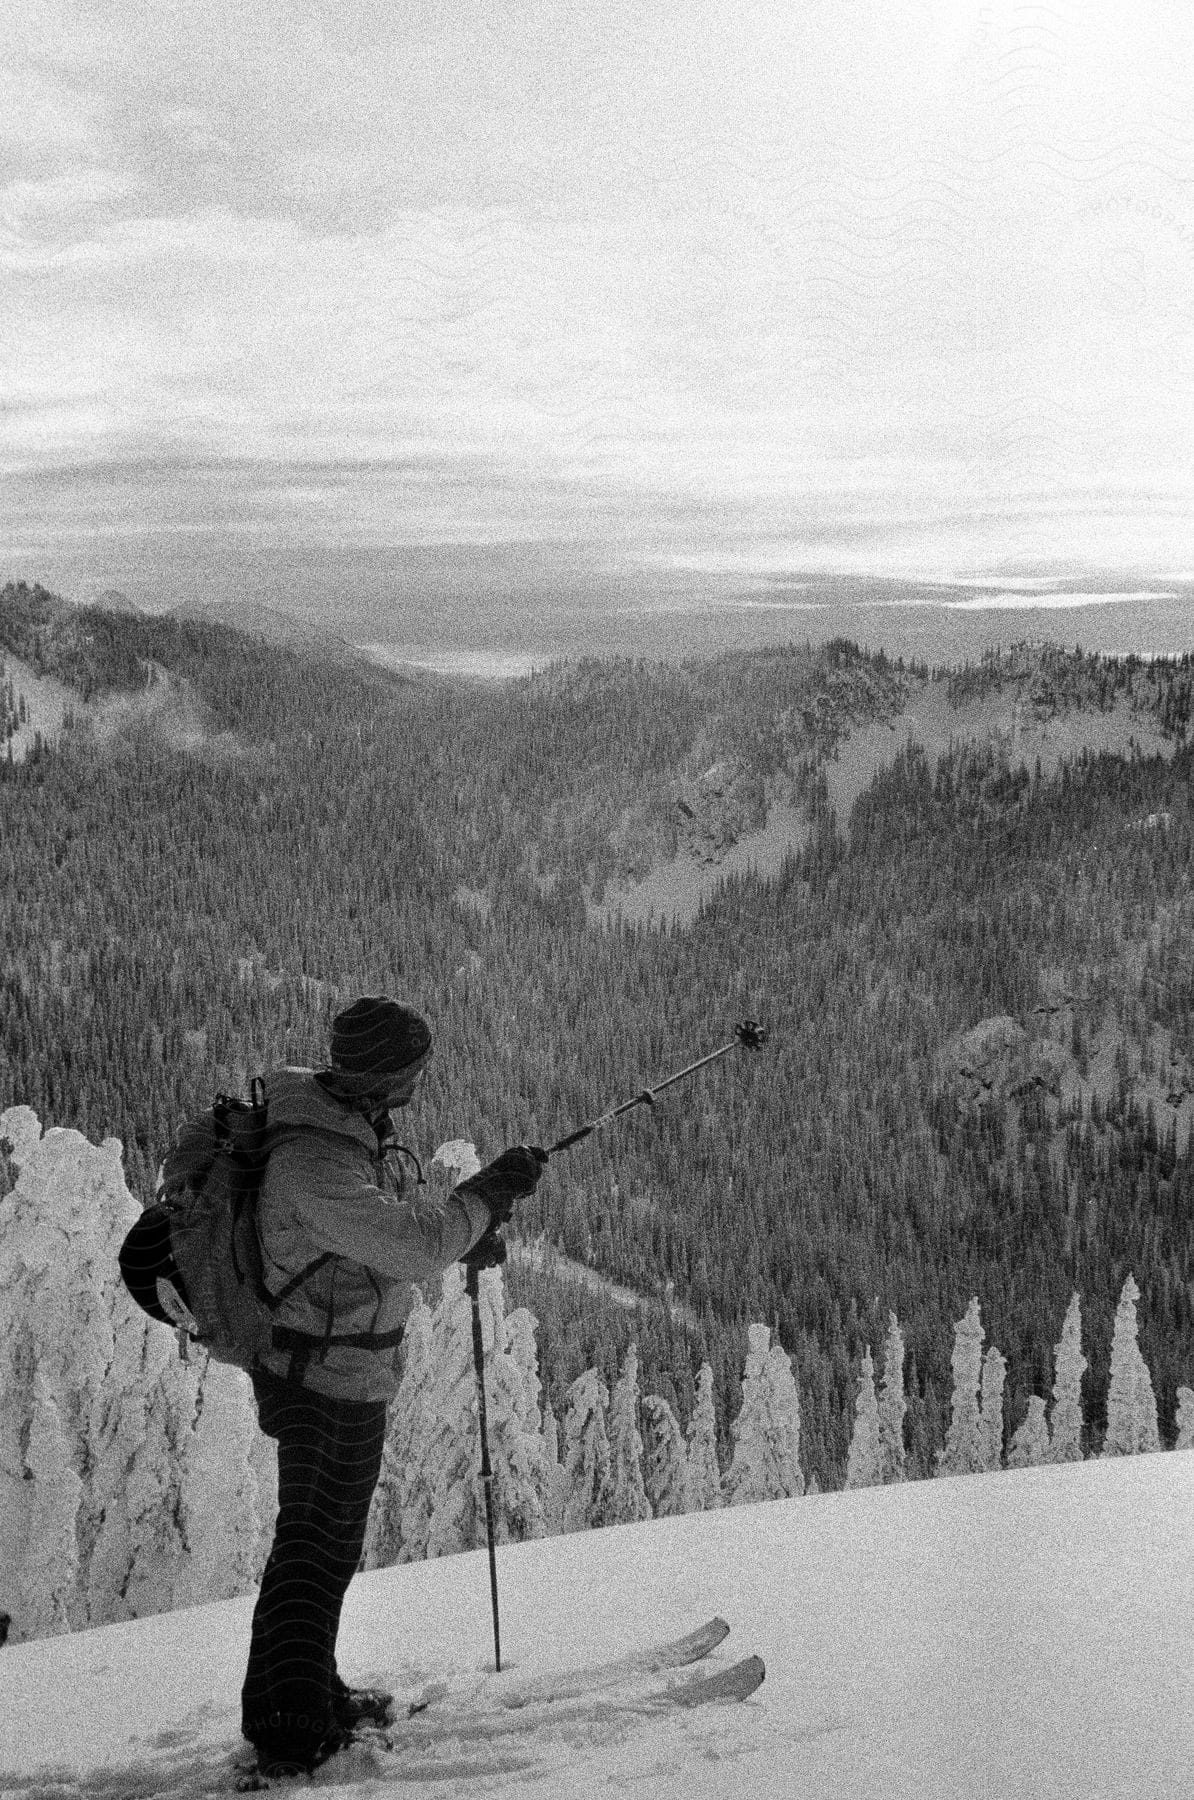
(258, 620)
(116, 600)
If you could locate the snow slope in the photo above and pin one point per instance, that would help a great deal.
(1028, 1633)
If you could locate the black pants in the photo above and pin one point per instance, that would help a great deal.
(329, 1458)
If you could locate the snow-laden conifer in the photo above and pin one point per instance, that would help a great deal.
(962, 1454)
(456, 1519)
(664, 1473)
(1131, 1403)
(864, 1465)
(457, 1159)
(447, 1484)
(766, 1460)
(990, 1418)
(586, 1453)
(702, 1472)
(1066, 1423)
(555, 1480)
(892, 1406)
(229, 1494)
(628, 1498)
(400, 1517)
(438, 1431)
(401, 1508)
(1185, 1419)
(134, 1480)
(1146, 1406)
(521, 1472)
(50, 1565)
(1030, 1441)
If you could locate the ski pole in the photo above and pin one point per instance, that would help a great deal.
(472, 1289)
(750, 1034)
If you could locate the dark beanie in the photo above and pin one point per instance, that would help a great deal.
(376, 1039)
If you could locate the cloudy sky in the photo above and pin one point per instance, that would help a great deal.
(324, 297)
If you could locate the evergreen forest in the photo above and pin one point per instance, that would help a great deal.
(229, 839)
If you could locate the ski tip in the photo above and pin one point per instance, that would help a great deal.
(737, 1682)
(745, 1678)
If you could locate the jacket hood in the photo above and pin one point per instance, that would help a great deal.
(296, 1098)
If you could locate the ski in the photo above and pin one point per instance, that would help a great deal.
(676, 1653)
(495, 1731)
(737, 1682)
(604, 1704)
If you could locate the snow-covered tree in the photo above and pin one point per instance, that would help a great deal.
(864, 1466)
(401, 1509)
(892, 1406)
(1066, 1423)
(627, 1498)
(1131, 1403)
(228, 1497)
(962, 1454)
(555, 1489)
(586, 1453)
(990, 1418)
(400, 1517)
(1030, 1442)
(457, 1160)
(432, 1503)
(702, 1473)
(443, 1486)
(130, 1482)
(452, 1447)
(1185, 1419)
(521, 1454)
(766, 1461)
(50, 1564)
(664, 1473)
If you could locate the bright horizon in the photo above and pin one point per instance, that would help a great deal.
(340, 307)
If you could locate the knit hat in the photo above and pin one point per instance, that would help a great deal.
(375, 1041)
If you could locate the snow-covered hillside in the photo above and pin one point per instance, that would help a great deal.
(1023, 1634)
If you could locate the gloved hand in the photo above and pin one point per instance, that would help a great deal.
(489, 1251)
(509, 1177)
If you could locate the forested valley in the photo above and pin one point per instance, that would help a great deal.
(229, 839)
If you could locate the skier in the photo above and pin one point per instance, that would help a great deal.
(336, 1184)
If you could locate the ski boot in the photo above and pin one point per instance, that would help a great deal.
(361, 1706)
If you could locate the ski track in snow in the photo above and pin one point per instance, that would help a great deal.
(475, 1733)
(452, 1750)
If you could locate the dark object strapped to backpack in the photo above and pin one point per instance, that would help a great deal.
(194, 1258)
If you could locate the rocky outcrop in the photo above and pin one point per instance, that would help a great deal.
(719, 807)
(997, 1061)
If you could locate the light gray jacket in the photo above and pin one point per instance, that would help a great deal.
(329, 1189)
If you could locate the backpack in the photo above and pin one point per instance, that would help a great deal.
(203, 1227)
